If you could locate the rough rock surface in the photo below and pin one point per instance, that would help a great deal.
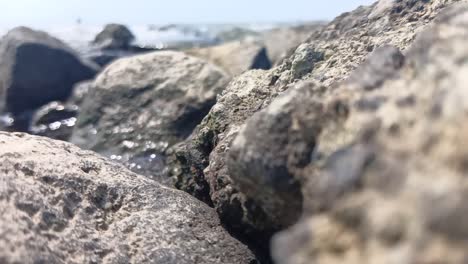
(60, 204)
(280, 140)
(36, 69)
(114, 37)
(388, 184)
(328, 56)
(134, 117)
(236, 57)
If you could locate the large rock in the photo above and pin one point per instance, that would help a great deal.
(236, 57)
(276, 143)
(327, 57)
(142, 105)
(60, 204)
(389, 181)
(35, 69)
(114, 37)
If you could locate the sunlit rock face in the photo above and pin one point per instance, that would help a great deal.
(62, 204)
(142, 105)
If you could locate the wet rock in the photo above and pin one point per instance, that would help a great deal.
(114, 37)
(236, 57)
(135, 117)
(36, 69)
(60, 204)
(204, 168)
(55, 120)
(391, 191)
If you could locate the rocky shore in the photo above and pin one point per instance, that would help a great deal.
(344, 143)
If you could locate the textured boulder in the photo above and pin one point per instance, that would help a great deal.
(280, 140)
(36, 69)
(205, 176)
(60, 204)
(140, 106)
(388, 184)
(327, 57)
(114, 37)
(236, 57)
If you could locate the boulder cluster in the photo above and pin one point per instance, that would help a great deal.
(343, 144)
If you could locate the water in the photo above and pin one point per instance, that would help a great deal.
(155, 36)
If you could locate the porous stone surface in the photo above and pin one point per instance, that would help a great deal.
(61, 204)
(328, 57)
(388, 182)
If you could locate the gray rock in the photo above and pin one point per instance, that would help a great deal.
(236, 57)
(345, 43)
(135, 117)
(276, 143)
(282, 42)
(80, 92)
(304, 59)
(391, 183)
(60, 204)
(36, 69)
(199, 167)
(114, 37)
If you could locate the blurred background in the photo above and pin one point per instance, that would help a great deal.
(159, 23)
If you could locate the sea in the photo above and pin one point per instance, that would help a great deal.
(79, 35)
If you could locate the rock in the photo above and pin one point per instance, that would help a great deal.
(203, 165)
(304, 59)
(80, 91)
(236, 57)
(280, 140)
(199, 167)
(36, 69)
(114, 37)
(135, 117)
(389, 186)
(60, 204)
(282, 42)
(54, 120)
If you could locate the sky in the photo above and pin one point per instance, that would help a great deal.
(51, 13)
